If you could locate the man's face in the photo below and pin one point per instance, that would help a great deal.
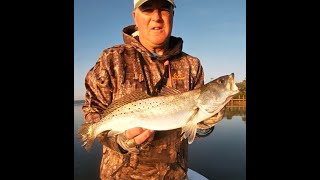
(154, 20)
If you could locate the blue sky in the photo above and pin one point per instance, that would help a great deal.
(212, 30)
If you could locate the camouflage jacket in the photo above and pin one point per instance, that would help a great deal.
(128, 67)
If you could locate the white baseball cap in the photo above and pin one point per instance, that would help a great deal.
(138, 3)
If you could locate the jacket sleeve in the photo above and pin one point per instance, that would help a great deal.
(99, 95)
(199, 77)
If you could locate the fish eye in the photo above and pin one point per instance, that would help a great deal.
(221, 81)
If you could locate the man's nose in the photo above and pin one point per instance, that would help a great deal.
(156, 15)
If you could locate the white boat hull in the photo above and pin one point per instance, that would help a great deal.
(193, 175)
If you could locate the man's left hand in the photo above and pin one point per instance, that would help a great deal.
(212, 121)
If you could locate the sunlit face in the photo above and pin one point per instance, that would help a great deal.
(154, 20)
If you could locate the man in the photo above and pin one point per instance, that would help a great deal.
(149, 60)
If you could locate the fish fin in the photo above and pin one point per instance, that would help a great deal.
(165, 91)
(189, 131)
(86, 135)
(126, 99)
(113, 133)
(195, 111)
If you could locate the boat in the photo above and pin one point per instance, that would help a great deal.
(193, 175)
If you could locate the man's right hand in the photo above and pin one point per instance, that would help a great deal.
(133, 137)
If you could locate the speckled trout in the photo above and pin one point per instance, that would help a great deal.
(170, 110)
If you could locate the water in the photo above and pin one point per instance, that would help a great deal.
(219, 156)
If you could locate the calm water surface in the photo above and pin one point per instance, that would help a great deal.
(219, 156)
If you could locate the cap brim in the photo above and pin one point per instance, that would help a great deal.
(139, 3)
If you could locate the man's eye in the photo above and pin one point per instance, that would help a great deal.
(147, 9)
(165, 9)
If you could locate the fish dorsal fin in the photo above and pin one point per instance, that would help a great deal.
(126, 99)
(165, 91)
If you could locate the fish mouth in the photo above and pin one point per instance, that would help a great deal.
(231, 76)
(234, 92)
(231, 86)
(229, 98)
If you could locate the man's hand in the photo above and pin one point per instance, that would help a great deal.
(211, 121)
(133, 137)
(139, 135)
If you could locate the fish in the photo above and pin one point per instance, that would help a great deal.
(171, 109)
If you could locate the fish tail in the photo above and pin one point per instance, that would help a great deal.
(86, 135)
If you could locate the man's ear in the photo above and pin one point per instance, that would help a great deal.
(133, 16)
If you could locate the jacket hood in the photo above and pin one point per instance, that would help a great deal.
(175, 44)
